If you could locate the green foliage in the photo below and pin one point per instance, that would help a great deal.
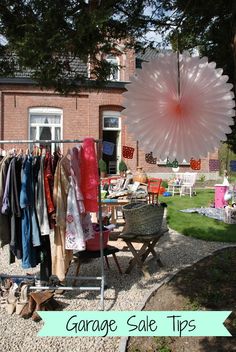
(202, 178)
(162, 343)
(210, 27)
(225, 156)
(122, 166)
(102, 165)
(164, 184)
(50, 36)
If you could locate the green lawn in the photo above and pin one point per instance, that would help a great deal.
(196, 225)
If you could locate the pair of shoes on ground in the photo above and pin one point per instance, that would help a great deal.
(17, 298)
(57, 284)
(39, 301)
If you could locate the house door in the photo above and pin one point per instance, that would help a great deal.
(112, 160)
(111, 135)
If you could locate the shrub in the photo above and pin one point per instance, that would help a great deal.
(164, 184)
(102, 165)
(202, 178)
(122, 166)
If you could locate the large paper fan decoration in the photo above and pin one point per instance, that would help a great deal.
(179, 112)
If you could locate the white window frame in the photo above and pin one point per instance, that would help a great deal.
(46, 111)
(114, 60)
(117, 114)
(112, 114)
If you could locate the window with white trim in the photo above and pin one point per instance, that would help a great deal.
(46, 124)
(115, 61)
(111, 120)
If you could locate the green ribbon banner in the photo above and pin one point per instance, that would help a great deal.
(134, 323)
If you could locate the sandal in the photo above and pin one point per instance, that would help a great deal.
(23, 299)
(11, 299)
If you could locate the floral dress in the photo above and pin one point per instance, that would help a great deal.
(74, 232)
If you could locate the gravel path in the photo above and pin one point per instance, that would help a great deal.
(125, 292)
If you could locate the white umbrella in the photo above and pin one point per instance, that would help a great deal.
(179, 107)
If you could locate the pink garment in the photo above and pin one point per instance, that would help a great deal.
(76, 174)
(89, 175)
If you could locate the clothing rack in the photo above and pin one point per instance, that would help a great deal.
(99, 278)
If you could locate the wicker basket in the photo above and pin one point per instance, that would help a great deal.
(142, 219)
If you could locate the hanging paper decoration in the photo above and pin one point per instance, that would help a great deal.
(127, 152)
(108, 148)
(214, 165)
(150, 159)
(173, 164)
(179, 106)
(195, 164)
(233, 165)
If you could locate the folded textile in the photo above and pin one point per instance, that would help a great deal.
(214, 213)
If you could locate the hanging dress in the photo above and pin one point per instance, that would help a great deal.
(76, 174)
(74, 237)
(61, 257)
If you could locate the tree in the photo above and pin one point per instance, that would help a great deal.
(50, 36)
(209, 26)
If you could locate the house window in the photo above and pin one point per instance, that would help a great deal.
(111, 121)
(115, 73)
(46, 124)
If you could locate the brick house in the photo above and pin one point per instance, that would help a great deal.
(29, 112)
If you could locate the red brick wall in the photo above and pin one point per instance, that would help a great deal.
(81, 117)
(82, 114)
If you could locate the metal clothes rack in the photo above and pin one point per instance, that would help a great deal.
(96, 278)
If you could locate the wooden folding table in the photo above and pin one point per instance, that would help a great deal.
(148, 246)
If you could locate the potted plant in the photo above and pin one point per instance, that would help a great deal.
(103, 168)
(122, 167)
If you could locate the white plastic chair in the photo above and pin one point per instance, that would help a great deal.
(188, 183)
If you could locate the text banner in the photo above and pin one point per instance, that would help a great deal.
(134, 323)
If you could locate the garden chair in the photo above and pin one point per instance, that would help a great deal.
(154, 185)
(188, 183)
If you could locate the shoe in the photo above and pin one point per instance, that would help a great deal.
(11, 299)
(41, 297)
(56, 282)
(29, 308)
(59, 291)
(54, 305)
(23, 299)
(42, 300)
(6, 283)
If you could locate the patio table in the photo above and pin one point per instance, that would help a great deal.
(114, 204)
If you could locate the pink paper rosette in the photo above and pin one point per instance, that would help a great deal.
(179, 113)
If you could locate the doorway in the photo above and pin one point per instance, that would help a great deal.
(112, 160)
